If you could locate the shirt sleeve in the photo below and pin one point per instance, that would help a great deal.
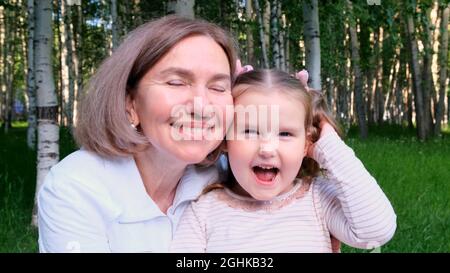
(190, 235)
(355, 209)
(69, 216)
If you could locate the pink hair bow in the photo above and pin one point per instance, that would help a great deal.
(303, 76)
(242, 69)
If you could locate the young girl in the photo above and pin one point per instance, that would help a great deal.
(291, 187)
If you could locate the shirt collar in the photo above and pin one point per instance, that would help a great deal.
(136, 205)
(194, 180)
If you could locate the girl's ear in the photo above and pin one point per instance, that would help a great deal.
(309, 142)
(131, 111)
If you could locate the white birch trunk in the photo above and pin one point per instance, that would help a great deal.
(31, 91)
(416, 77)
(9, 66)
(312, 41)
(274, 34)
(265, 61)
(69, 49)
(266, 21)
(114, 24)
(249, 32)
(77, 57)
(282, 27)
(443, 53)
(358, 88)
(47, 105)
(65, 60)
(2, 62)
(184, 8)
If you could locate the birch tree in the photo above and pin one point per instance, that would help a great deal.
(416, 78)
(274, 34)
(184, 8)
(249, 32)
(282, 35)
(114, 24)
(31, 92)
(427, 77)
(443, 62)
(262, 42)
(312, 41)
(2, 62)
(358, 88)
(10, 47)
(68, 49)
(47, 106)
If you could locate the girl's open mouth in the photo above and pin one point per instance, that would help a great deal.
(265, 174)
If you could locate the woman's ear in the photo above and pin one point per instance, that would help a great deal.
(131, 111)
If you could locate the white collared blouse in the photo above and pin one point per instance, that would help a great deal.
(92, 204)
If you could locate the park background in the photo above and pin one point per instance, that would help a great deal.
(382, 65)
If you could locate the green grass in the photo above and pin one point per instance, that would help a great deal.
(416, 178)
(17, 186)
(414, 175)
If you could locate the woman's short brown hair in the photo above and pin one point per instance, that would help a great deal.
(102, 125)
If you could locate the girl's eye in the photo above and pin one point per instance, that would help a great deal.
(250, 132)
(285, 134)
(176, 83)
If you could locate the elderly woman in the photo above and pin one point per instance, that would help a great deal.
(150, 124)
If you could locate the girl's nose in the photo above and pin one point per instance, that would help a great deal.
(267, 149)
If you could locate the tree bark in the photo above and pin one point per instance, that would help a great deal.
(77, 49)
(427, 80)
(47, 105)
(10, 46)
(358, 91)
(274, 34)
(443, 59)
(265, 61)
(266, 20)
(282, 34)
(249, 32)
(416, 79)
(69, 48)
(2, 65)
(312, 42)
(183, 8)
(399, 89)
(31, 88)
(115, 24)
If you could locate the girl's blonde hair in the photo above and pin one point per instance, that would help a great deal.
(102, 125)
(314, 103)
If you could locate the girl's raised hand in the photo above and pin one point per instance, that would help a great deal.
(325, 129)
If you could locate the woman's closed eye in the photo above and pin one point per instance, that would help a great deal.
(177, 82)
(218, 88)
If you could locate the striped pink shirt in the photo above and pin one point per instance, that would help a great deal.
(347, 203)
